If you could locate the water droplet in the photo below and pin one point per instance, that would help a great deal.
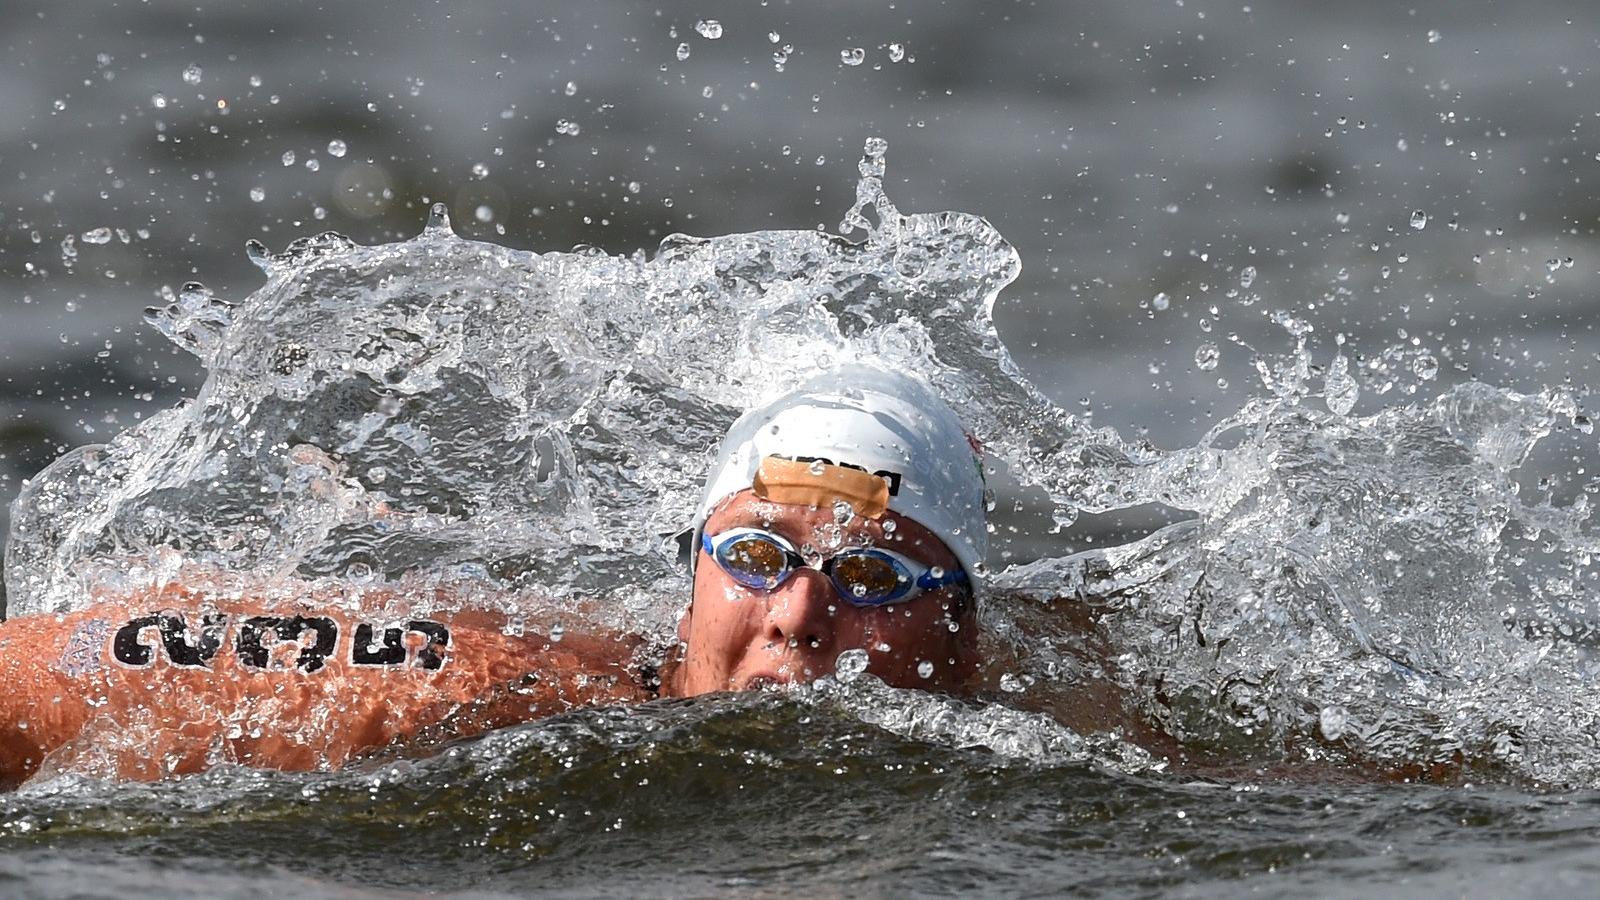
(158, 100)
(897, 52)
(852, 56)
(1583, 423)
(258, 194)
(1419, 220)
(815, 468)
(888, 526)
(571, 88)
(1161, 301)
(192, 74)
(1425, 367)
(484, 213)
(287, 157)
(1247, 276)
(633, 187)
(925, 669)
(1434, 36)
(438, 218)
(683, 52)
(1333, 720)
(1340, 389)
(850, 664)
(567, 127)
(557, 632)
(101, 235)
(710, 29)
(259, 255)
(255, 81)
(336, 148)
(479, 170)
(1206, 356)
(1011, 684)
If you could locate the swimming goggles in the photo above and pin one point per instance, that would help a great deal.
(863, 576)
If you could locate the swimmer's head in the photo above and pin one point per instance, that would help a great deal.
(874, 439)
(860, 496)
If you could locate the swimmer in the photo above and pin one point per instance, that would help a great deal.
(846, 516)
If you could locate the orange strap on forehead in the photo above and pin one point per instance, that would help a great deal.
(819, 485)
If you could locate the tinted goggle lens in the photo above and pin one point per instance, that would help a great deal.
(868, 578)
(754, 561)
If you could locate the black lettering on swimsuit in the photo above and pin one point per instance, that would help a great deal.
(175, 640)
(432, 654)
(125, 647)
(392, 650)
(391, 653)
(255, 655)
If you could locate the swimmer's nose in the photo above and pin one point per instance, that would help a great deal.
(800, 613)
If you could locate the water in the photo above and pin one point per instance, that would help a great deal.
(508, 424)
(1380, 571)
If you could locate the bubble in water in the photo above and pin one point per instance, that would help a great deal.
(336, 148)
(1583, 423)
(479, 170)
(852, 56)
(683, 52)
(897, 52)
(1161, 301)
(571, 88)
(192, 74)
(1419, 219)
(925, 669)
(158, 100)
(1206, 356)
(287, 157)
(850, 664)
(1425, 367)
(1333, 720)
(258, 194)
(843, 512)
(101, 235)
(1247, 276)
(1340, 389)
(710, 29)
(484, 213)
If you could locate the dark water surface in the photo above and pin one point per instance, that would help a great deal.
(1127, 150)
(759, 796)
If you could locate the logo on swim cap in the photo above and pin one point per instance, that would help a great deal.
(863, 418)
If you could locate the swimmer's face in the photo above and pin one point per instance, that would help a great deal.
(737, 638)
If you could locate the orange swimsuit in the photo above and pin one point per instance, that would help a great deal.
(172, 682)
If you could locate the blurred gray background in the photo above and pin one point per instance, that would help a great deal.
(1129, 150)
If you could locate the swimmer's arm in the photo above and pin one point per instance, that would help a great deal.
(73, 698)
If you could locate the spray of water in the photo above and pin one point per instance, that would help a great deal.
(531, 427)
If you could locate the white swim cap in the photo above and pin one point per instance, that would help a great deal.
(865, 418)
